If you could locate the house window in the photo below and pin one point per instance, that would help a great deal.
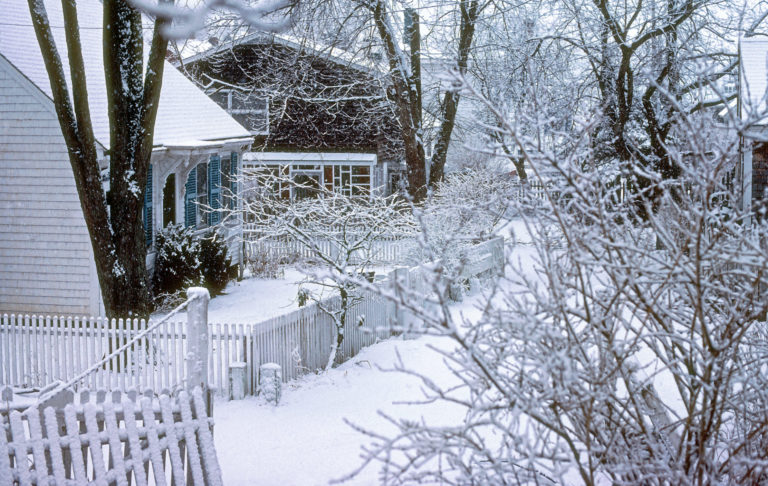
(351, 180)
(249, 109)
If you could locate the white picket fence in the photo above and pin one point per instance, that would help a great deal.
(110, 438)
(38, 350)
(532, 193)
(286, 248)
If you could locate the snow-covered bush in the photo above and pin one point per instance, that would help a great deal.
(624, 346)
(262, 263)
(216, 269)
(183, 260)
(176, 262)
(467, 208)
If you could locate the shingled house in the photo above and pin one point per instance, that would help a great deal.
(319, 112)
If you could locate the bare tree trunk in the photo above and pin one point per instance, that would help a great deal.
(116, 226)
(407, 94)
(469, 10)
(407, 105)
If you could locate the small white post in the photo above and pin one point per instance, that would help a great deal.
(237, 380)
(270, 382)
(197, 337)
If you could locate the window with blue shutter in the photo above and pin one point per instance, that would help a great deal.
(233, 181)
(214, 188)
(190, 199)
(148, 208)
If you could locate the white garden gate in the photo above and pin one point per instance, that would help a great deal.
(113, 437)
(110, 438)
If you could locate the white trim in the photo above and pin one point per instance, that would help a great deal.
(325, 158)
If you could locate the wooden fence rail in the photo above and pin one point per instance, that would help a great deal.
(38, 350)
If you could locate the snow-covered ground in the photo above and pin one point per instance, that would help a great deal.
(253, 300)
(305, 440)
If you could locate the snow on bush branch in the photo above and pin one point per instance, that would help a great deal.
(626, 343)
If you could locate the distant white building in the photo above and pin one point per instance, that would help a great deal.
(753, 105)
(46, 261)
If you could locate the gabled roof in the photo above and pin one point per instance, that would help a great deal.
(753, 78)
(186, 116)
(201, 50)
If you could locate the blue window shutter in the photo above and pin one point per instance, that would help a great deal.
(233, 181)
(190, 199)
(214, 188)
(148, 208)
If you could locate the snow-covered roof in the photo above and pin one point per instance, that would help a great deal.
(196, 50)
(185, 113)
(753, 78)
(311, 157)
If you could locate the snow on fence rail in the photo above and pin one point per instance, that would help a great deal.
(38, 350)
(110, 438)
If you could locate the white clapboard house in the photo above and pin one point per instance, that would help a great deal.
(753, 107)
(46, 262)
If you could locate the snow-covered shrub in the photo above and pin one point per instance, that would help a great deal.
(270, 382)
(466, 208)
(185, 261)
(176, 262)
(216, 269)
(262, 263)
(616, 351)
(302, 297)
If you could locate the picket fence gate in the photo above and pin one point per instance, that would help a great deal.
(37, 350)
(110, 438)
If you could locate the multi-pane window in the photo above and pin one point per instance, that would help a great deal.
(349, 180)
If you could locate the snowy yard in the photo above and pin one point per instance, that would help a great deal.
(305, 440)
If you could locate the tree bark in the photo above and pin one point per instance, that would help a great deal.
(406, 85)
(450, 105)
(115, 227)
(406, 106)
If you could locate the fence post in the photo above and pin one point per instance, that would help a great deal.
(497, 250)
(197, 341)
(399, 281)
